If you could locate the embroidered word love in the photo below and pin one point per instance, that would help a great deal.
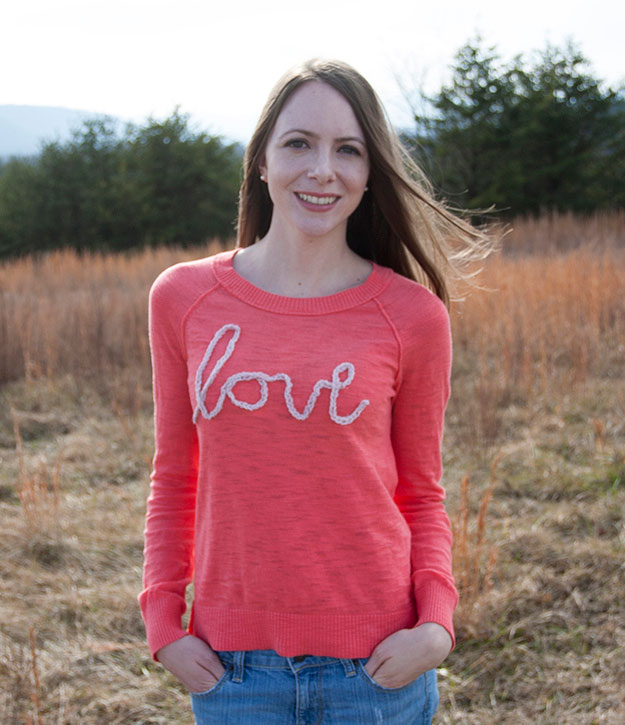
(201, 389)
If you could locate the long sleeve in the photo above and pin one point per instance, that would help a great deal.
(169, 531)
(417, 431)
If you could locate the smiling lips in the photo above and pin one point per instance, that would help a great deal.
(318, 203)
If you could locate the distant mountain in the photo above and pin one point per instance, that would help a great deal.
(24, 128)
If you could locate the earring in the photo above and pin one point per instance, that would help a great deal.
(366, 188)
(262, 178)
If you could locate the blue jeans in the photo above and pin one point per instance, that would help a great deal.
(260, 687)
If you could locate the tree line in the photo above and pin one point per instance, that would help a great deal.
(522, 137)
(161, 183)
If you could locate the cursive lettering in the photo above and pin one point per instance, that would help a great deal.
(227, 389)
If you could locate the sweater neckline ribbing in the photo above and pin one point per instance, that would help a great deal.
(378, 279)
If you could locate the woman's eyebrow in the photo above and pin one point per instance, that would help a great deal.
(303, 131)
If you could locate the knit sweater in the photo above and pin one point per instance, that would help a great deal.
(296, 476)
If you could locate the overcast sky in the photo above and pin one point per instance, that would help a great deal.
(217, 61)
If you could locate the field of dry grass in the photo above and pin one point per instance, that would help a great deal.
(534, 467)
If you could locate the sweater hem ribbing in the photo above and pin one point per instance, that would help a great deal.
(288, 634)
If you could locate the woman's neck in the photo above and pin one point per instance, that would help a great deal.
(314, 268)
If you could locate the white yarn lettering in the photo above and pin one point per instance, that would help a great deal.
(227, 389)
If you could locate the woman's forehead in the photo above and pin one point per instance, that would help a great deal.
(318, 107)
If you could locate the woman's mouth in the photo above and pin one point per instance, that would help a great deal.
(317, 203)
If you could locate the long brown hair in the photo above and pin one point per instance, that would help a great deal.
(399, 223)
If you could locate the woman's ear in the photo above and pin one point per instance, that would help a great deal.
(263, 171)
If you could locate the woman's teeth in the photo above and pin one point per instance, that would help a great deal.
(318, 199)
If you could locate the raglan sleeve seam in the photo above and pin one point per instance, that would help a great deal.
(396, 335)
(187, 314)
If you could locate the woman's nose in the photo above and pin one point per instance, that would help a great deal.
(322, 168)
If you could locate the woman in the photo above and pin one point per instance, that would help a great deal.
(300, 383)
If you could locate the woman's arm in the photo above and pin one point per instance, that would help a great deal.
(416, 434)
(417, 431)
(169, 530)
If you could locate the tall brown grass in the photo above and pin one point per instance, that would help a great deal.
(548, 314)
(83, 315)
(542, 319)
(38, 490)
(537, 320)
(474, 558)
(35, 695)
(554, 233)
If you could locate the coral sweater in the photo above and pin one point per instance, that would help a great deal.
(297, 463)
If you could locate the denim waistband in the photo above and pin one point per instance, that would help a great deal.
(269, 659)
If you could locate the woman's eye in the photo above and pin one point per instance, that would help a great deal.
(296, 143)
(350, 150)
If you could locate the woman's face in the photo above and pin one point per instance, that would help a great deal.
(315, 164)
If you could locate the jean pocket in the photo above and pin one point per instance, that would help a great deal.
(377, 685)
(217, 686)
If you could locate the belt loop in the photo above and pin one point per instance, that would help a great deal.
(238, 663)
(348, 665)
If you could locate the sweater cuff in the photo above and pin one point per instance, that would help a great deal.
(162, 614)
(436, 602)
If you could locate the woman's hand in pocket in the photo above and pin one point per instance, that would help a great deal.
(405, 655)
(193, 662)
